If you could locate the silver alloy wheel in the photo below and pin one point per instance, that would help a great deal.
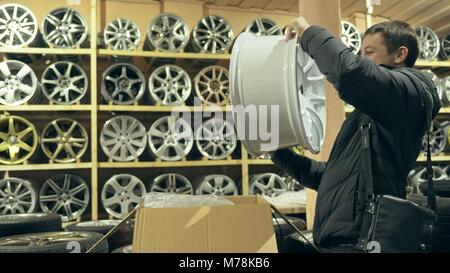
(446, 90)
(216, 184)
(122, 34)
(268, 184)
(170, 138)
(216, 139)
(212, 85)
(123, 84)
(66, 195)
(350, 36)
(212, 34)
(123, 138)
(168, 33)
(18, 26)
(436, 81)
(172, 183)
(121, 194)
(445, 47)
(169, 85)
(64, 28)
(64, 82)
(17, 195)
(263, 26)
(64, 140)
(421, 177)
(429, 44)
(437, 139)
(18, 83)
(291, 183)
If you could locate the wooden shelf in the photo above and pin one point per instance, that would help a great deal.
(49, 51)
(433, 64)
(436, 158)
(260, 162)
(157, 108)
(46, 107)
(157, 54)
(168, 164)
(292, 209)
(444, 110)
(54, 166)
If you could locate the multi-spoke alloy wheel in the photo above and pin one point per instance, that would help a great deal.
(172, 183)
(437, 139)
(170, 138)
(64, 140)
(429, 44)
(216, 184)
(18, 83)
(212, 34)
(64, 28)
(123, 84)
(123, 138)
(350, 36)
(121, 194)
(19, 140)
(169, 85)
(445, 47)
(211, 85)
(17, 196)
(437, 83)
(216, 139)
(122, 34)
(263, 26)
(64, 82)
(66, 195)
(167, 32)
(268, 184)
(18, 26)
(446, 90)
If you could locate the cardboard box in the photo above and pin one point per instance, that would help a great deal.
(245, 227)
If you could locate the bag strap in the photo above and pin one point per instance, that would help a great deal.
(427, 102)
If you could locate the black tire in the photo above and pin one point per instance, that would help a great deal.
(29, 223)
(124, 249)
(283, 229)
(443, 204)
(294, 243)
(441, 188)
(59, 245)
(122, 237)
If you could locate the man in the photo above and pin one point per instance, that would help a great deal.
(376, 84)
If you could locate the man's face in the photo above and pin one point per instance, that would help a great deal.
(373, 48)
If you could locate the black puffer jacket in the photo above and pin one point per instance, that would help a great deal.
(391, 99)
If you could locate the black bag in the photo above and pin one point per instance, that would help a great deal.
(391, 224)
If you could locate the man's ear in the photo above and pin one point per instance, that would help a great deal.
(401, 55)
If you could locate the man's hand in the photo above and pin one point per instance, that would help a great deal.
(298, 25)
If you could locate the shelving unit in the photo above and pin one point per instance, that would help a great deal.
(95, 18)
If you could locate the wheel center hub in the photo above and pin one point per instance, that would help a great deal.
(12, 140)
(13, 25)
(63, 27)
(12, 83)
(64, 197)
(64, 82)
(11, 200)
(124, 83)
(215, 85)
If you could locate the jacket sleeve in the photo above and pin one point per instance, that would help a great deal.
(375, 90)
(305, 170)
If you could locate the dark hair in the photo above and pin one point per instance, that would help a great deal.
(397, 34)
